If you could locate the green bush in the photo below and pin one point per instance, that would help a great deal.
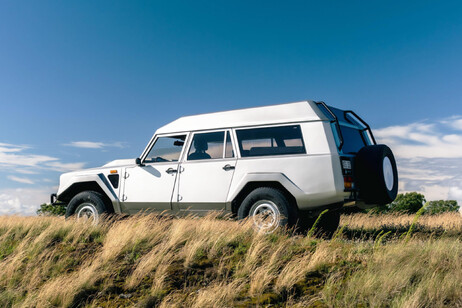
(408, 203)
(51, 210)
(441, 206)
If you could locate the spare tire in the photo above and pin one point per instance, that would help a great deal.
(376, 174)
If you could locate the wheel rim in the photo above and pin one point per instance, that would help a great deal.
(87, 212)
(265, 215)
(388, 173)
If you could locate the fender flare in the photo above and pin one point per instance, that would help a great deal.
(100, 180)
(293, 189)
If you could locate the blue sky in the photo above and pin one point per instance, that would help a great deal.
(87, 82)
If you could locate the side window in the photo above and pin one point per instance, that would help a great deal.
(207, 146)
(166, 149)
(282, 140)
(229, 153)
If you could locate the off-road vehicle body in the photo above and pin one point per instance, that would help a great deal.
(280, 164)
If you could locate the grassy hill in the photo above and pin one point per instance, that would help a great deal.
(148, 261)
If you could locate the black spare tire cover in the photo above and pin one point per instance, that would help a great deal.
(376, 174)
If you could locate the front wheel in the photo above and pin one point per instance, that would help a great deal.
(87, 205)
(268, 208)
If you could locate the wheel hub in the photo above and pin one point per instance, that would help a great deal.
(388, 173)
(87, 212)
(266, 216)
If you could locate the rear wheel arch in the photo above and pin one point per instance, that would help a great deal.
(251, 186)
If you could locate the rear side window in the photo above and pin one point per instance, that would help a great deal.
(282, 140)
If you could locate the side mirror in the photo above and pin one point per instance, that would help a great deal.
(138, 162)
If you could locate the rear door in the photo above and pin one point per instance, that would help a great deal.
(206, 172)
(150, 186)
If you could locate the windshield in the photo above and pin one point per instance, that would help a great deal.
(166, 149)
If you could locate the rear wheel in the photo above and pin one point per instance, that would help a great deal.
(268, 208)
(87, 205)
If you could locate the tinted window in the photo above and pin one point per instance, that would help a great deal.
(344, 117)
(280, 140)
(353, 139)
(352, 130)
(207, 146)
(166, 149)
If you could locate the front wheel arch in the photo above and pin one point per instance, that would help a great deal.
(80, 187)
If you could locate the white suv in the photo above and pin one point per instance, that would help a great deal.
(281, 165)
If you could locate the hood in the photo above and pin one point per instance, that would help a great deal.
(120, 162)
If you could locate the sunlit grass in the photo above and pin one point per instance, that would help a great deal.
(148, 260)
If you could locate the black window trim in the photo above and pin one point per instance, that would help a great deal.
(190, 143)
(238, 145)
(156, 137)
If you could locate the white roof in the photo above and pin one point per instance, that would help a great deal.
(284, 113)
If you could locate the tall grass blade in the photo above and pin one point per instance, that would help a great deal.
(316, 223)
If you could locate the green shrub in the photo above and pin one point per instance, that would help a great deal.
(51, 209)
(408, 203)
(441, 206)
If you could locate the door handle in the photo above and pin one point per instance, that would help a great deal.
(171, 170)
(228, 167)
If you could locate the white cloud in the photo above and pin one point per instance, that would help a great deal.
(17, 162)
(25, 160)
(20, 180)
(429, 156)
(23, 201)
(25, 171)
(455, 192)
(94, 145)
(412, 173)
(13, 159)
(421, 140)
(6, 147)
(64, 167)
(455, 122)
(435, 192)
(436, 178)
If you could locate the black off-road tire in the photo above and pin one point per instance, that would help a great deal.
(86, 198)
(376, 174)
(276, 198)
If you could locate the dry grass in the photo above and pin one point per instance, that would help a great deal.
(447, 221)
(148, 261)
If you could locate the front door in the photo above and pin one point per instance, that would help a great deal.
(206, 173)
(150, 186)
